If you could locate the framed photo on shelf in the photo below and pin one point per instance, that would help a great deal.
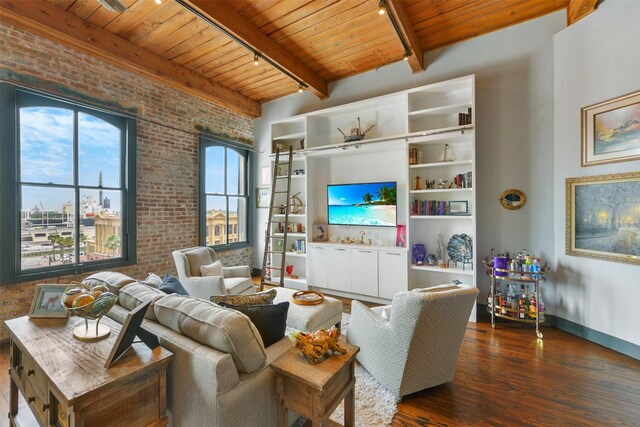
(611, 130)
(320, 232)
(262, 197)
(47, 302)
(458, 207)
(265, 176)
(602, 216)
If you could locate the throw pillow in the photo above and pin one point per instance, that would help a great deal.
(386, 313)
(152, 280)
(171, 285)
(264, 297)
(214, 269)
(269, 320)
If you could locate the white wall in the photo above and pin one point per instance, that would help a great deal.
(595, 59)
(514, 103)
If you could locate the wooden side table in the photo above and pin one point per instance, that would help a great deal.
(314, 391)
(65, 383)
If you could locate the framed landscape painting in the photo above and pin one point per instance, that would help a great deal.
(611, 130)
(603, 217)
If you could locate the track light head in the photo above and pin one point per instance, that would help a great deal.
(256, 59)
(406, 55)
(382, 8)
(301, 88)
(158, 1)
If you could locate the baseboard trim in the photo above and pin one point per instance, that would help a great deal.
(597, 337)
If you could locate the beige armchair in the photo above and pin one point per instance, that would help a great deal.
(235, 280)
(418, 347)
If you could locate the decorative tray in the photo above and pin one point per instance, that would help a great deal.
(307, 297)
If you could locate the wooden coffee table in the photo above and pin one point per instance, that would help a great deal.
(65, 383)
(314, 391)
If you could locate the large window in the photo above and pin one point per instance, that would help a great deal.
(224, 189)
(67, 187)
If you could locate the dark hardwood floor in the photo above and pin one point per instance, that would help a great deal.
(505, 376)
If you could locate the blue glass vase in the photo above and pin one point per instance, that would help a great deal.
(419, 253)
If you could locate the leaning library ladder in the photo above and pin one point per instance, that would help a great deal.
(267, 277)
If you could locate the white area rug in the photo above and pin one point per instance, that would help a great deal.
(375, 406)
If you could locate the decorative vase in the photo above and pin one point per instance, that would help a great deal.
(419, 253)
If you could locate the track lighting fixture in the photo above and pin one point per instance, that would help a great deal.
(381, 7)
(158, 1)
(406, 55)
(256, 56)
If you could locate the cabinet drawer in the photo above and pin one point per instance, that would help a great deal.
(36, 377)
(36, 404)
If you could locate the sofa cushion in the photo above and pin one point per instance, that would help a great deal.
(214, 269)
(135, 294)
(197, 257)
(237, 285)
(221, 328)
(153, 280)
(112, 279)
(171, 285)
(269, 319)
(264, 297)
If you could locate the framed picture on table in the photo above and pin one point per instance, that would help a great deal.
(47, 302)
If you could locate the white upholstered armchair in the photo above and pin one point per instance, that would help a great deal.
(234, 280)
(418, 347)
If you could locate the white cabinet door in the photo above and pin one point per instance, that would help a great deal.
(339, 269)
(364, 272)
(317, 266)
(392, 273)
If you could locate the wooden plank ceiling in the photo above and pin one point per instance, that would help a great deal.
(325, 40)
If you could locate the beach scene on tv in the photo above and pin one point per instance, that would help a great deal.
(362, 204)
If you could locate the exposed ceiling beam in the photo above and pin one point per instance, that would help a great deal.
(578, 9)
(416, 60)
(49, 21)
(221, 14)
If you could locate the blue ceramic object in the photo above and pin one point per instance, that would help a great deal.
(460, 248)
(419, 253)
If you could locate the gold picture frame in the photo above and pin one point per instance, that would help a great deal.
(611, 130)
(603, 217)
(512, 199)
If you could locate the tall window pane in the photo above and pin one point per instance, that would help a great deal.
(214, 180)
(46, 145)
(100, 225)
(225, 189)
(216, 218)
(98, 152)
(233, 171)
(47, 232)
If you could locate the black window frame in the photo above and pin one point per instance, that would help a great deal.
(10, 185)
(207, 141)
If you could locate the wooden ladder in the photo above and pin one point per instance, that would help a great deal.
(267, 267)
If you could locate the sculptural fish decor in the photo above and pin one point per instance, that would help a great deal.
(314, 346)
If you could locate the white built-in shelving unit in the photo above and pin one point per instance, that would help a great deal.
(425, 118)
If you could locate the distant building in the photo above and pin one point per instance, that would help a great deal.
(105, 226)
(216, 223)
(106, 203)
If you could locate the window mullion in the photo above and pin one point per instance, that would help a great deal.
(76, 191)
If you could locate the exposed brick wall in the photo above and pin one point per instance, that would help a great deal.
(167, 150)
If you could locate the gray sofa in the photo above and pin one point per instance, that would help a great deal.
(220, 375)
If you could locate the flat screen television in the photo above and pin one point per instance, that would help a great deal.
(371, 204)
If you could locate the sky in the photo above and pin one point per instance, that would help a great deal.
(350, 194)
(46, 155)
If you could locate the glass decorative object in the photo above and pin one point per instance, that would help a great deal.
(90, 303)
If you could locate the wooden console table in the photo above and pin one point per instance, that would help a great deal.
(65, 383)
(314, 391)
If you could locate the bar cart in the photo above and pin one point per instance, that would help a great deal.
(498, 307)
